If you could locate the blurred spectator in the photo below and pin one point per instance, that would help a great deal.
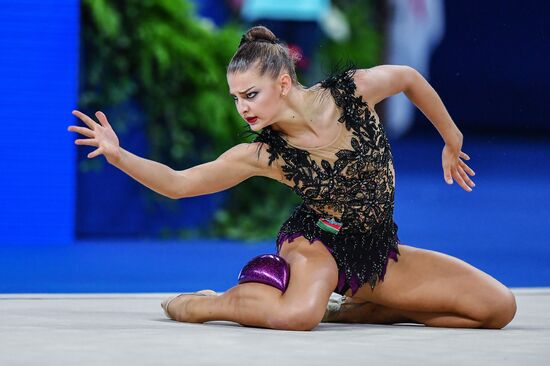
(415, 29)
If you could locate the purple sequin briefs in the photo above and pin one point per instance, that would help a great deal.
(359, 185)
(269, 269)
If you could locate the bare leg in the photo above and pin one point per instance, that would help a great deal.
(301, 307)
(371, 313)
(433, 289)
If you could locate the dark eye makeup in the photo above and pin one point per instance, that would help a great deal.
(250, 95)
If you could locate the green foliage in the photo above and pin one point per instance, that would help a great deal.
(161, 55)
(256, 210)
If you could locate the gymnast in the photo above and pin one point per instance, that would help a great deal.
(327, 144)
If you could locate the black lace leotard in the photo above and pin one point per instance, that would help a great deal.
(347, 189)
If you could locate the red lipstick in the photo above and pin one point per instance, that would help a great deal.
(251, 120)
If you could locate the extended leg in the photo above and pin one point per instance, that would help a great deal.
(301, 307)
(371, 313)
(433, 289)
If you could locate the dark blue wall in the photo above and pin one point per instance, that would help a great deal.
(492, 67)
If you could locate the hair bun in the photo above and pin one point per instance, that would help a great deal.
(258, 34)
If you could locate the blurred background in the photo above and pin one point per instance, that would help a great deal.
(157, 69)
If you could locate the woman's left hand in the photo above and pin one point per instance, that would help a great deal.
(455, 167)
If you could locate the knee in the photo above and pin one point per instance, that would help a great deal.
(500, 312)
(302, 318)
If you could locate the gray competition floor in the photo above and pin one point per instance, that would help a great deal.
(130, 329)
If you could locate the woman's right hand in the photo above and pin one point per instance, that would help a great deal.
(100, 135)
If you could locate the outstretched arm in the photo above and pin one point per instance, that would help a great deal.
(231, 168)
(380, 82)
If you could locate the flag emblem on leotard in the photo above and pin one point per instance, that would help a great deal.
(330, 225)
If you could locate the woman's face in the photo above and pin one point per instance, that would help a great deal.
(257, 97)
